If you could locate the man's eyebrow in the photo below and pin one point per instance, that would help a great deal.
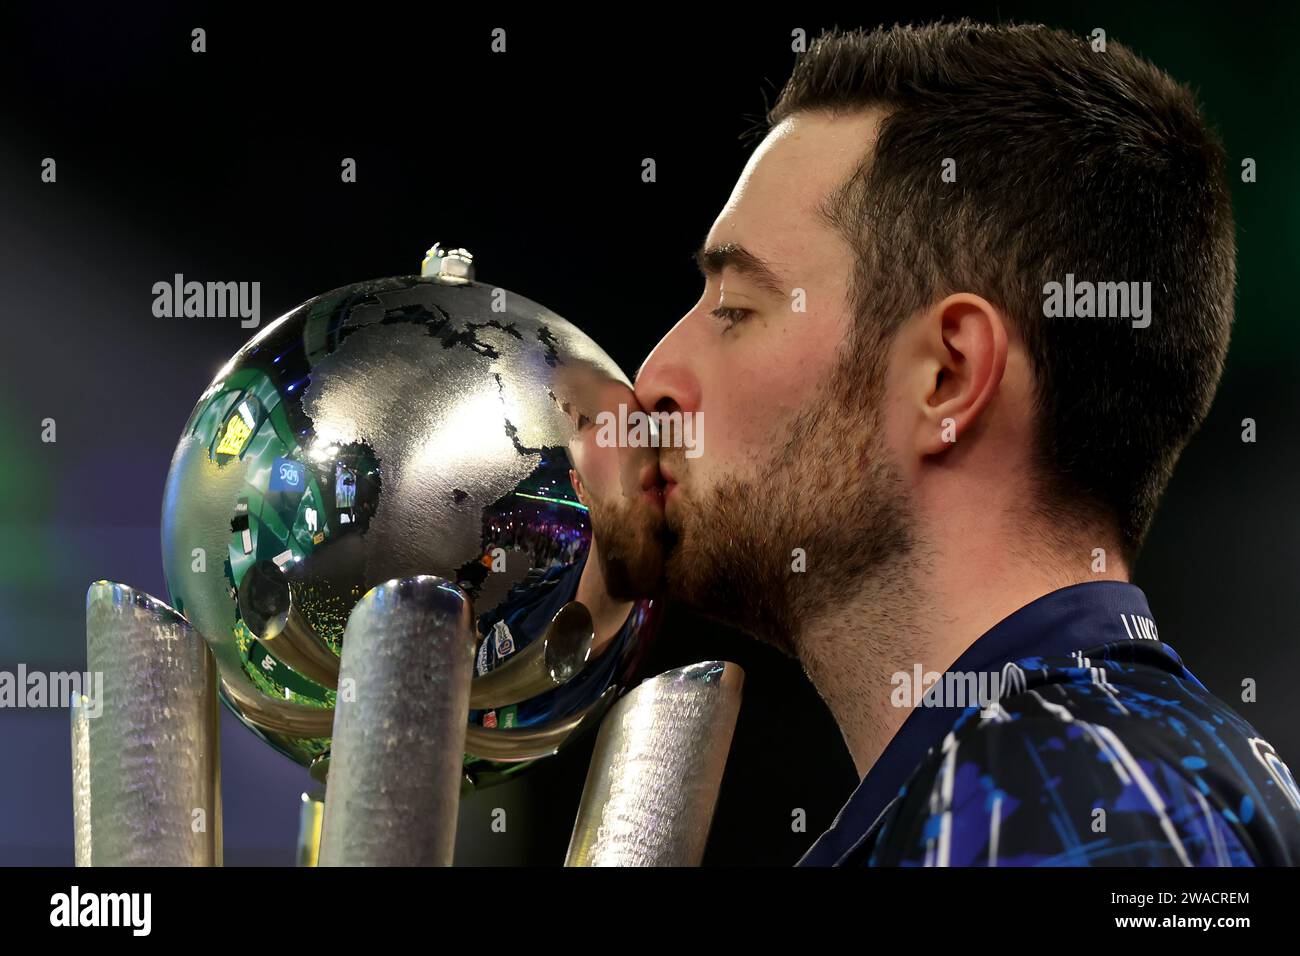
(713, 259)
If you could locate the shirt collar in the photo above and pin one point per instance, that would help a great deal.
(1055, 625)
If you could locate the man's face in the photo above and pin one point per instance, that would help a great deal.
(794, 456)
(618, 485)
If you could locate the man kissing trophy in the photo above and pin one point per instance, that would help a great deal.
(397, 549)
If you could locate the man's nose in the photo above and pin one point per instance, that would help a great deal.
(668, 379)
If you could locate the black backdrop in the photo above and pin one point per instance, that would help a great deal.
(226, 166)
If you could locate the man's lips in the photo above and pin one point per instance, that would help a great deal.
(656, 485)
(669, 483)
(652, 485)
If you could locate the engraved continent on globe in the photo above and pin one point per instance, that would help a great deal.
(391, 428)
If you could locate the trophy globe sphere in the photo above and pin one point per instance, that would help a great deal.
(416, 425)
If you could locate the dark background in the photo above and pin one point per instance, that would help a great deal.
(225, 166)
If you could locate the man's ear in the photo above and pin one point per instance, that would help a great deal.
(962, 352)
(578, 490)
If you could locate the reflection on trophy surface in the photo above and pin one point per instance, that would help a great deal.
(414, 462)
(601, 549)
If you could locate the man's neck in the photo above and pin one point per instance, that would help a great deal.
(927, 612)
(607, 614)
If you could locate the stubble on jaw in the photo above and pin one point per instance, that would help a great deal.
(631, 547)
(829, 489)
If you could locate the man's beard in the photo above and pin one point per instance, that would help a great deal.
(830, 490)
(629, 541)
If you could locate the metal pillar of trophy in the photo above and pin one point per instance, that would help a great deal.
(276, 481)
(146, 769)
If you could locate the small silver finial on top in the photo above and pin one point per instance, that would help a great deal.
(452, 266)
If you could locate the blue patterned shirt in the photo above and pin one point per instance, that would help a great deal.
(1099, 748)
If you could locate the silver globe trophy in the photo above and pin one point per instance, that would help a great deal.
(376, 528)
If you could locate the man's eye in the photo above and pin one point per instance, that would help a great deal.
(730, 315)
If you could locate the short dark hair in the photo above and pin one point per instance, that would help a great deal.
(1068, 160)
